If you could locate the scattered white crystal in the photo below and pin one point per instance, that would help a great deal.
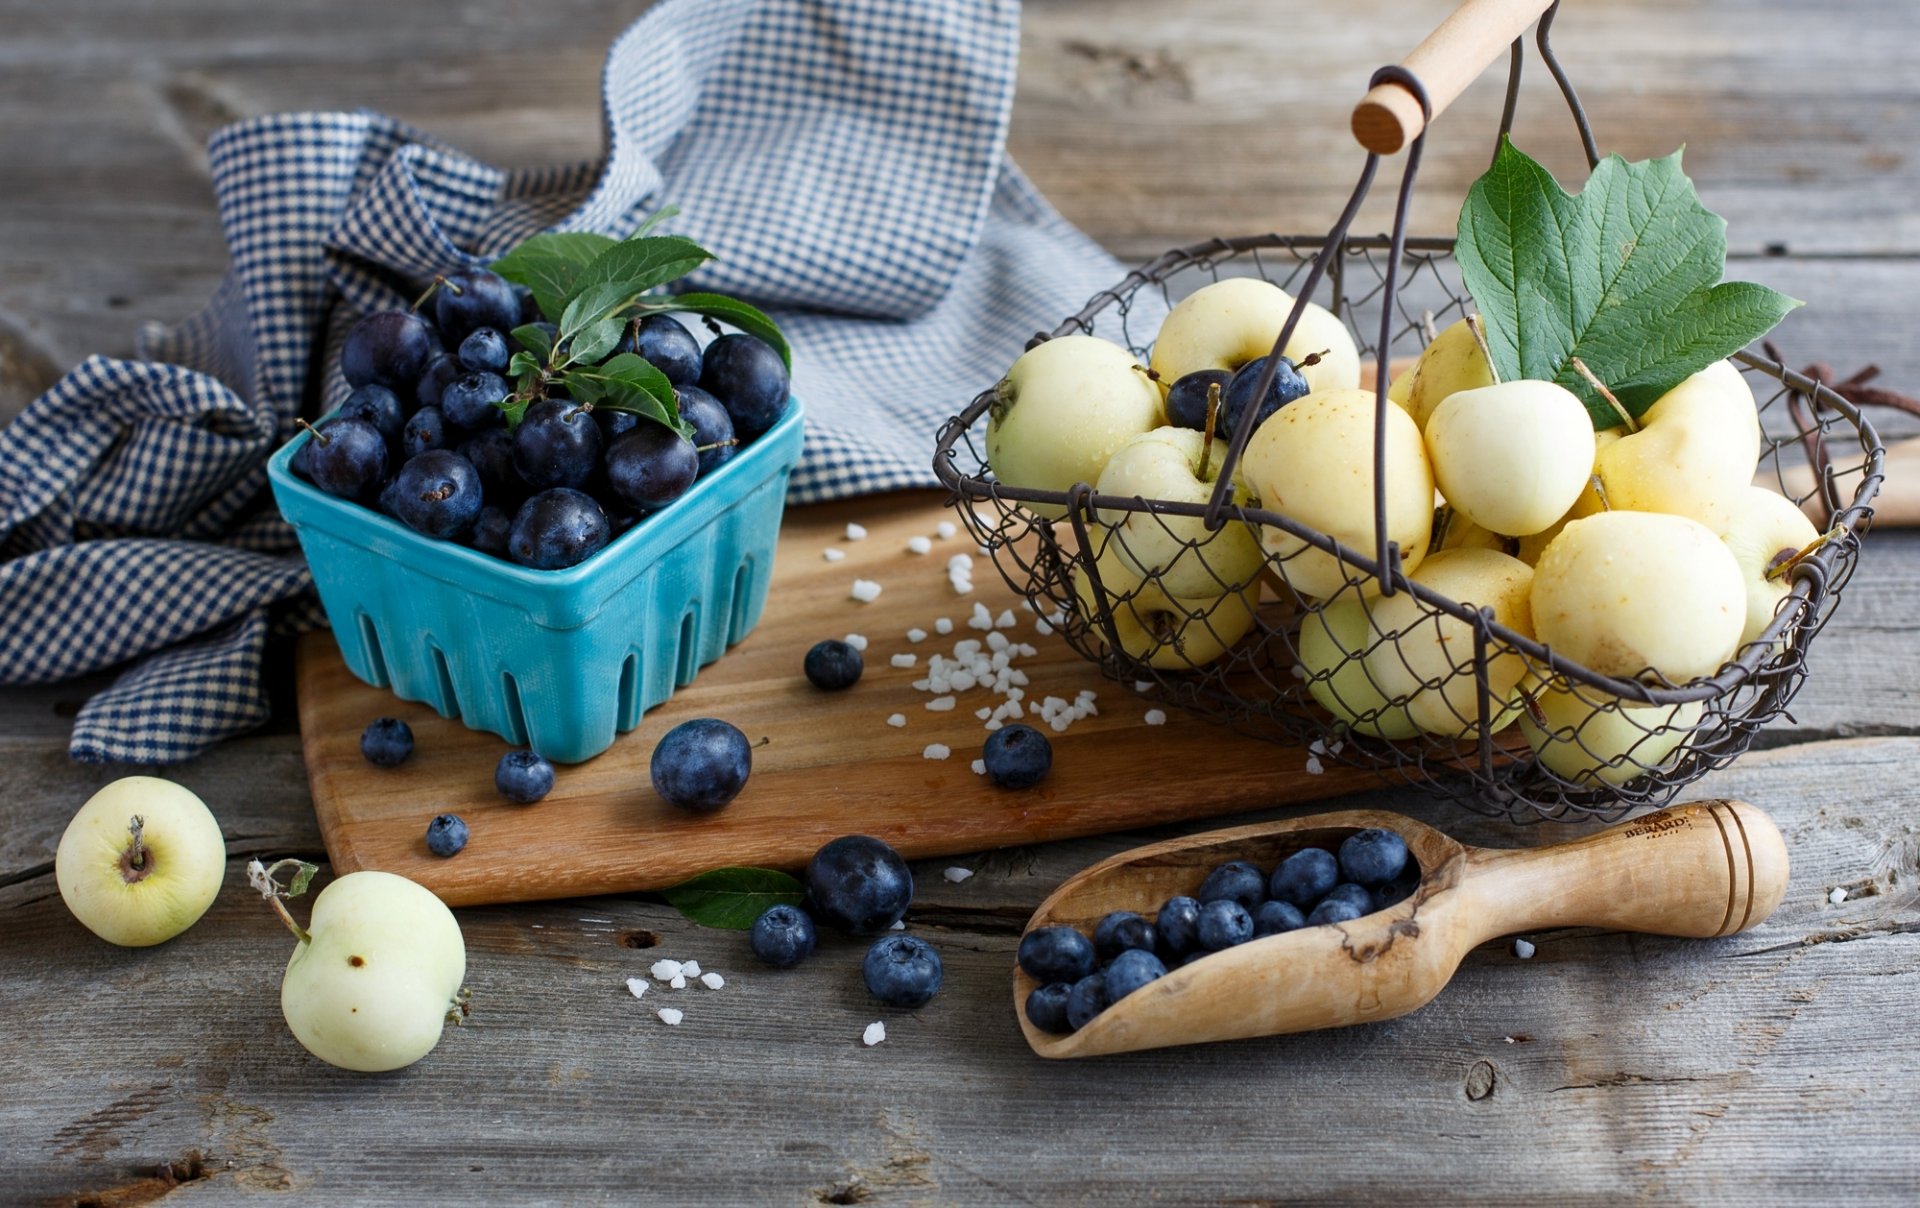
(712, 981)
(943, 625)
(1837, 896)
(962, 587)
(897, 925)
(866, 590)
(1313, 765)
(946, 529)
(903, 660)
(984, 713)
(856, 532)
(671, 1016)
(875, 1033)
(1060, 725)
(1156, 717)
(1143, 685)
(916, 635)
(1041, 627)
(994, 724)
(1523, 950)
(678, 983)
(690, 968)
(979, 767)
(940, 704)
(981, 618)
(960, 562)
(665, 970)
(919, 545)
(857, 640)
(637, 986)
(897, 720)
(956, 874)
(936, 750)
(1005, 620)
(833, 555)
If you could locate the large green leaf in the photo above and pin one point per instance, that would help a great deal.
(1625, 276)
(644, 263)
(734, 897)
(550, 265)
(628, 383)
(727, 310)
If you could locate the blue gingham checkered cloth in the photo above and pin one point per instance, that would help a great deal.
(844, 159)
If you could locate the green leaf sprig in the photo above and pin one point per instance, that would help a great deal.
(733, 898)
(593, 289)
(1623, 276)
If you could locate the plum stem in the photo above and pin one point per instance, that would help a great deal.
(718, 444)
(1479, 331)
(320, 438)
(438, 283)
(261, 878)
(1580, 367)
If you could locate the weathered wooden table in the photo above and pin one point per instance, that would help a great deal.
(1781, 1064)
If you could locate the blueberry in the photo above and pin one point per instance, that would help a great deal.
(489, 532)
(667, 345)
(702, 764)
(348, 459)
(474, 298)
(378, 406)
(425, 429)
(1187, 401)
(557, 529)
(1017, 756)
(437, 493)
(1120, 931)
(556, 445)
(1223, 923)
(491, 453)
(529, 306)
(1395, 891)
(614, 424)
(750, 380)
(649, 467)
(1056, 954)
(473, 400)
(1333, 910)
(446, 835)
(1047, 1007)
(859, 884)
(1235, 881)
(783, 936)
(523, 777)
(441, 372)
(712, 427)
(1272, 918)
(1131, 970)
(833, 665)
(1304, 877)
(1356, 896)
(1287, 386)
(1087, 999)
(484, 351)
(1178, 925)
(390, 347)
(386, 742)
(902, 971)
(1373, 856)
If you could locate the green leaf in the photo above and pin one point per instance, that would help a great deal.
(515, 407)
(535, 340)
(734, 897)
(644, 262)
(731, 311)
(592, 304)
(596, 341)
(1625, 276)
(655, 219)
(629, 383)
(550, 265)
(302, 877)
(522, 364)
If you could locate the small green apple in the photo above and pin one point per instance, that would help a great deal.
(141, 861)
(1062, 410)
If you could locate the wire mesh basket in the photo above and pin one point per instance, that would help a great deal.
(1566, 744)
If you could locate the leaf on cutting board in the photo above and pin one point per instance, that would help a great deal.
(550, 265)
(733, 898)
(1625, 275)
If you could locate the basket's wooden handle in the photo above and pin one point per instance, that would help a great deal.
(1703, 869)
(1389, 117)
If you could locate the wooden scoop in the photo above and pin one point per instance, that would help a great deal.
(1705, 869)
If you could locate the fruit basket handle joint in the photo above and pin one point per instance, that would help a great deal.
(1390, 116)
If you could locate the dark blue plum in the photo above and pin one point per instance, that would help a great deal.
(1187, 401)
(1087, 999)
(621, 517)
(667, 345)
(523, 777)
(474, 298)
(833, 665)
(529, 305)
(1304, 877)
(1272, 918)
(1235, 881)
(437, 493)
(484, 351)
(614, 424)
(446, 835)
(1178, 925)
(712, 427)
(702, 764)
(1287, 386)
(650, 467)
(1047, 1007)
(378, 406)
(1373, 856)
(1120, 931)
(1223, 923)
(1056, 954)
(390, 347)
(1131, 970)
(902, 971)
(556, 445)
(491, 453)
(750, 380)
(490, 531)
(783, 936)
(386, 742)
(425, 429)
(1334, 910)
(441, 372)
(348, 459)
(859, 885)
(1357, 896)
(556, 529)
(1017, 756)
(473, 401)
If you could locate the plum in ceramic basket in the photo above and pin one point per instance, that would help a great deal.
(511, 518)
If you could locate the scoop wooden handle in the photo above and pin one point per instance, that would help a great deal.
(1389, 117)
(1703, 869)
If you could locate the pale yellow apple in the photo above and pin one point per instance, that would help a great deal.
(1334, 641)
(1178, 551)
(1157, 629)
(1591, 737)
(1452, 362)
(1236, 320)
(1694, 453)
(1513, 457)
(140, 893)
(1590, 503)
(1429, 657)
(1062, 410)
(1766, 531)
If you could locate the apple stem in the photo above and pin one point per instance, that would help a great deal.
(1428, 330)
(261, 878)
(1206, 439)
(137, 850)
(1600, 489)
(1480, 337)
(1580, 367)
(320, 438)
(1776, 573)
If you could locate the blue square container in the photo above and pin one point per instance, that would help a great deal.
(562, 661)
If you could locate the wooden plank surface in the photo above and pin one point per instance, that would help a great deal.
(1772, 1067)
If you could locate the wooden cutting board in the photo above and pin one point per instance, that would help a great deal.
(830, 765)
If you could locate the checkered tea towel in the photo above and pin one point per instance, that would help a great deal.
(844, 160)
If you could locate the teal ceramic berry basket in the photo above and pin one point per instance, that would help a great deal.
(563, 661)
